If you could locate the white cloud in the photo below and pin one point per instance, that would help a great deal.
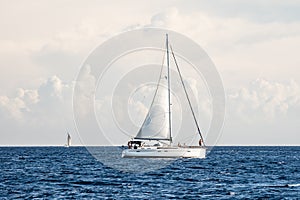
(211, 29)
(264, 100)
(38, 116)
(85, 89)
(30, 105)
(165, 19)
(12, 108)
(255, 10)
(263, 112)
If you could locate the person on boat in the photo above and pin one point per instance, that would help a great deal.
(129, 144)
(200, 143)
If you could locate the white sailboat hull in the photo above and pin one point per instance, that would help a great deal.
(165, 152)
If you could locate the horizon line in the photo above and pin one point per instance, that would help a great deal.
(221, 145)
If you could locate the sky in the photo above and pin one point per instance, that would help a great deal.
(253, 44)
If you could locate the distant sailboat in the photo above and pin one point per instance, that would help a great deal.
(157, 126)
(68, 141)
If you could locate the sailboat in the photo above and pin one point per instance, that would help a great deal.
(154, 138)
(68, 144)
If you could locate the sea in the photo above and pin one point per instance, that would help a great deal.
(231, 172)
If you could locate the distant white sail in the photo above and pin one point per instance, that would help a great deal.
(68, 140)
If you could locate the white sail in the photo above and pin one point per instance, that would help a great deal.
(68, 140)
(156, 124)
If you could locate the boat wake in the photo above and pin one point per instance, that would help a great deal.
(294, 185)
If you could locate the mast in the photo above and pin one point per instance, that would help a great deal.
(169, 91)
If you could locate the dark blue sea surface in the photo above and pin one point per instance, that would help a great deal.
(226, 173)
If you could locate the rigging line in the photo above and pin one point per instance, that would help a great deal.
(186, 94)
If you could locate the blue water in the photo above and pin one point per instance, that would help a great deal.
(227, 173)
